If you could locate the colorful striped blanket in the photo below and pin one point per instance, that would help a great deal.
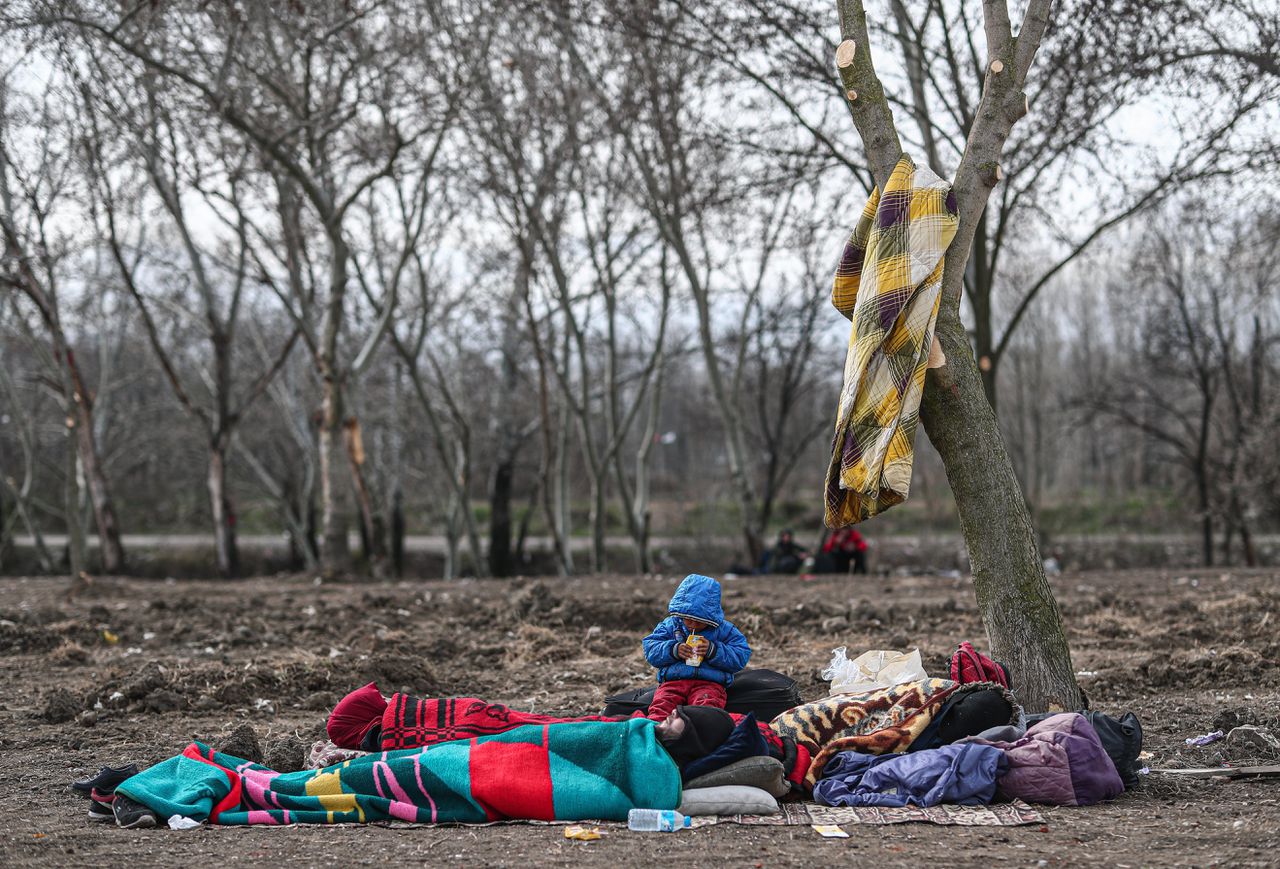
(568, 772)
(889, 283)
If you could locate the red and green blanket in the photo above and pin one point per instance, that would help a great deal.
(571, 771)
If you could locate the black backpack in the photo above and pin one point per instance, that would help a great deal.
(764, 692)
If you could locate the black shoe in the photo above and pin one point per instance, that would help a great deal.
(101, 811)
(106, 779)
(131, 814)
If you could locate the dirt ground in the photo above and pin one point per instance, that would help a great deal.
(170, 661)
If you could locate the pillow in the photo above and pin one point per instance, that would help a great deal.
(727, 800)
(766, 773)
(745, 740)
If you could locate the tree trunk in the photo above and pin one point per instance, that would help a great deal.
(372, 526)
(1023, 623)
(71, 505)
(335, 553)
(562, 518)
(599, 515)
(500, 516)
(110, 547)
(1017, 605)
(1206, 515)
(226, 553)
(4, 533)
(397, 533)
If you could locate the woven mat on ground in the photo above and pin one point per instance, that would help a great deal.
(1013, 814)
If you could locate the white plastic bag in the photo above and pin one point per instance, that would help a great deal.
(872, 670)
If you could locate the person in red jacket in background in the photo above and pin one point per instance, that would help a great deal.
(846, 547)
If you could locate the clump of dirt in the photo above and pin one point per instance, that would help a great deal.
(242, 742)
(60, 705)
(18, 639)
(533, 644)
(1207, 668)
(285, 753)
(152, 677)
(68, 654)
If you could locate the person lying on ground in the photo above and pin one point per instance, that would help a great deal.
(364, 719)
(564, 771)
(695, 649)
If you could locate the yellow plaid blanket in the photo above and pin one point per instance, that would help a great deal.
(889, 284)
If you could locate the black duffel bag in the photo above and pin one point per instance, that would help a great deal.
(764, 692)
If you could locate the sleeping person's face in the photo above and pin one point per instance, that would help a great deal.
(670, 728)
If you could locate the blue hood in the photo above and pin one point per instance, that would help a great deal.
(698, 597)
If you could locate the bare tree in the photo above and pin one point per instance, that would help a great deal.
(166, 153)
(1017, 604)
(1196, 380)
(320, 93)
(33, 255)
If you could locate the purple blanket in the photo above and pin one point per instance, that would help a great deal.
(961, 774)
(1059, 762)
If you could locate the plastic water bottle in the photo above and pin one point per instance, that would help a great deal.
(657, 820)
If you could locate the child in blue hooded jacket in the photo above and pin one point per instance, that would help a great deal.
(695, 609)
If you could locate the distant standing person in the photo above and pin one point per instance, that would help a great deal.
(844, 548)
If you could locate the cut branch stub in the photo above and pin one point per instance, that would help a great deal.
(845, 52)
(851, 94)
(990, 173)
(997, 67)
(1016, 106)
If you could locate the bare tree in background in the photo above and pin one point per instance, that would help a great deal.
(1200, 379)
(33, 256)
(171, 161)
(323, 95)
(1085, 84)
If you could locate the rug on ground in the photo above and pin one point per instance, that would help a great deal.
(1014, 814)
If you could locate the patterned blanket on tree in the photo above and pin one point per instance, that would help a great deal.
(889, 283)
(877, 722)
(567, 772)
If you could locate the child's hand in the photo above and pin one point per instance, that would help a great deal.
(684, 652)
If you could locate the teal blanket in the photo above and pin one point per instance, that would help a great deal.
(565, 772)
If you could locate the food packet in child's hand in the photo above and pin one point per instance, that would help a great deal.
(697, 643)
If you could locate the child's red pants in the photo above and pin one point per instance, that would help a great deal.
(685, 692)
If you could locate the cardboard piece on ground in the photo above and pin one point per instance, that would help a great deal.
(829, 831)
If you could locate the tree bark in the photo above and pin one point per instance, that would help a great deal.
(226, 553)
(335, 552)
(110, 547)
(71, 507)
(500, 487)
